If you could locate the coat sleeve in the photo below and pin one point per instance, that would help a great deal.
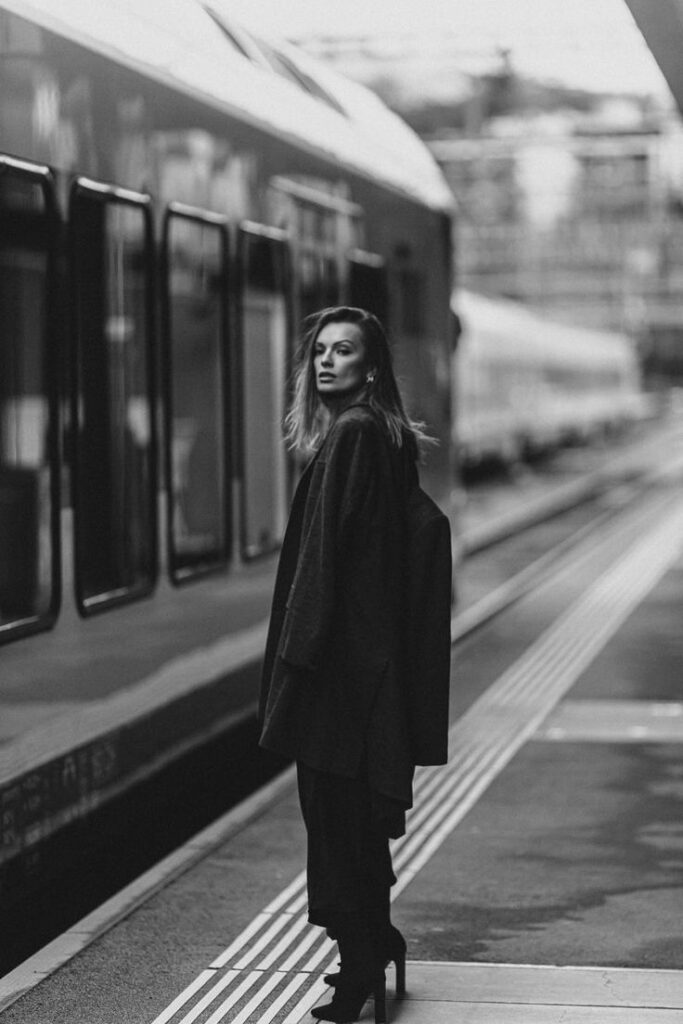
(339, 509)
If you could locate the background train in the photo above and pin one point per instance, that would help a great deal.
(524, 384)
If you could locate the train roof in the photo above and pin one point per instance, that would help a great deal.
(197, 48)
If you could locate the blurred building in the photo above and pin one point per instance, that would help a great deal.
(581, 218)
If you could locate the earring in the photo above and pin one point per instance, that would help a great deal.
(370, 377)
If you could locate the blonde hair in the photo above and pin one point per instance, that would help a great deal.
(306, 422)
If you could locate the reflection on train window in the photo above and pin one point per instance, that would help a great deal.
(27, 555)
(114, 453)
(196, 394)
(265, 359)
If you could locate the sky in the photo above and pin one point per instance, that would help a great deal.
(594, 44)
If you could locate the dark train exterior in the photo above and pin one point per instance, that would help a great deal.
(174, 197)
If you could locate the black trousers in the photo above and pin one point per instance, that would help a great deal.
(348, 858)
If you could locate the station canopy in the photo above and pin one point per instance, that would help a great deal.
(661, 23)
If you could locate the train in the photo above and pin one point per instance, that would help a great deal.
(525, 384)
(176, 195)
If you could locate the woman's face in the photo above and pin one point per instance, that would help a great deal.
(339, 360)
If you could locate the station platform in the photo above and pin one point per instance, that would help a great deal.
(540, 878)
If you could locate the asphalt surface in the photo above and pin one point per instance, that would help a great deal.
(574, 855)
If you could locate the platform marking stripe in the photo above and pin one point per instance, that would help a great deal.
(326, 947)
(517, 670)
(610, 608)
(291, 891)
(235, 997)
(295, 984)
(311, 997)
(295, 928)
(210, 996)
(303, 947)
(269, 982)
(300, 901)
(199, 982)
(459, 797)
(241, 940)
(280, 922)
(526, 693)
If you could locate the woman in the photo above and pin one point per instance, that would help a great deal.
(332, 694)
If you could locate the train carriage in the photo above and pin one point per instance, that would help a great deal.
(525, 384)
(175, 195)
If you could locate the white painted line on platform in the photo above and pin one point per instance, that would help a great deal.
(295, 928)
(292, 960)
(208, 998)
(284, 997)
(235, 996)
(199, 982)
(303, 1007)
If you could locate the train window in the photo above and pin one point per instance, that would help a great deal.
(318, 282)
(114, 436)
(265, 360)
(196, 386)
(368, 284)
(28, 473)
(318, 271)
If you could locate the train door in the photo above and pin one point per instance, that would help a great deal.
(114, 466)
(265, 356)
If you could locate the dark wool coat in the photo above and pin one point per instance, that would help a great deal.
(332, 692)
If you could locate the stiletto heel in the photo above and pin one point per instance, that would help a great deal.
(380, 1000)
(400, 963)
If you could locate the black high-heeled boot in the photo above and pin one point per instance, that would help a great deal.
(349, 998)
(389, 944)
(359, 977)
(394, 946)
